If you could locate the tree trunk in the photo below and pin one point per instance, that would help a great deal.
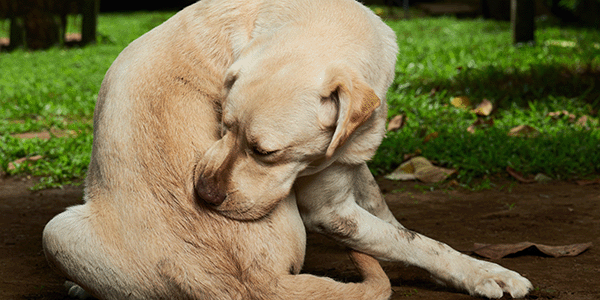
(89, 11)
(42, 29)
(522, 15)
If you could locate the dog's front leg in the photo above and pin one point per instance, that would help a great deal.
(329, 204)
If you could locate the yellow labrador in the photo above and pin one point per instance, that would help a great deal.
(220, 132)
(143, 233)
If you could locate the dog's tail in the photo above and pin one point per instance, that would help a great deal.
(375, 285)
(370, 269)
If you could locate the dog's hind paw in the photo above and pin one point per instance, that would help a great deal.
(77, 292)
(492, 281)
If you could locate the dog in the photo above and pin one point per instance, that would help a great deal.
(143, 233)
(220, 135)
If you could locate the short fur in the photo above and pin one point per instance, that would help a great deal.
(222, 131)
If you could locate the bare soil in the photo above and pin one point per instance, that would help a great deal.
(558, 213)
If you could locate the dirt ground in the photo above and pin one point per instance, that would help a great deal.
(558, 213)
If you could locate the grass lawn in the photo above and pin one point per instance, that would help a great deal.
(440, 59)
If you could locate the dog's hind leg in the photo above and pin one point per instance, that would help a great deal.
(74, 250)
(375, 285)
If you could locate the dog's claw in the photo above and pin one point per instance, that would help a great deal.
(77, 292)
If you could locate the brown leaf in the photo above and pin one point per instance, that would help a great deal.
(484, 108)
(44, 135)
(406, 171)
(13, 165)
(471, 129)
(582, 121)
(422, 169)
(430, 136)
(542, 178)
(588, 182)
(558, 114)
(433, 174)
(517, 175)
(497, 251)
(425, 171)
(397, 122)
(461, 102)
(480, 123)
(434, 91)
(523, 131)
(408, 156)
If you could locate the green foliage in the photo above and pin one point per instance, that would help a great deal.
(56, 89)
(444, 58)
(440, 58)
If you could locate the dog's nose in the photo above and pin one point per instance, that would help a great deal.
(208, 190)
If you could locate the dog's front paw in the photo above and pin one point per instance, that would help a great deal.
(492, 281)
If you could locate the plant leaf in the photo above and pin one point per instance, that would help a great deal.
(497, 251)
(397, 122)
(13, 165)
(518, 176)
(461, 102)
(422, 169)
(523, 131)
(405, 172)
(430, 136)
(484, 108)
(480, 123)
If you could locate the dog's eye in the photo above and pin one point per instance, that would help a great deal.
(261, 152)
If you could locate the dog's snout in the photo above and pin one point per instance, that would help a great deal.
(208, 190)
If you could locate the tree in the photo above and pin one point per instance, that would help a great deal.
(522, 15)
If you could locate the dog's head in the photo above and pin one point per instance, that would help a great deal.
(283, 117)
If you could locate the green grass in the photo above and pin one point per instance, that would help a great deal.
(475, 58)
(56, 90)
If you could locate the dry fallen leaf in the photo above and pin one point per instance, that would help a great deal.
(542, 178)
(582, 121)
(379, 11)
(517, 175)
(480, 123)
(13, 165)
(523, 131)
(434, 91)
(558, 114)
(561, 43)
(588, 182)
(408, 156)
(44, 135)
(397, 122)
(461, 102)
(422, 169)
(430, 136)
(497, 251)
(484, 108)
(405, 172)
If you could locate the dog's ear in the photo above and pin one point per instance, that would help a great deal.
(356, 102)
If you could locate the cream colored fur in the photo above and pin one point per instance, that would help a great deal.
(142, 232)
(219, 134)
